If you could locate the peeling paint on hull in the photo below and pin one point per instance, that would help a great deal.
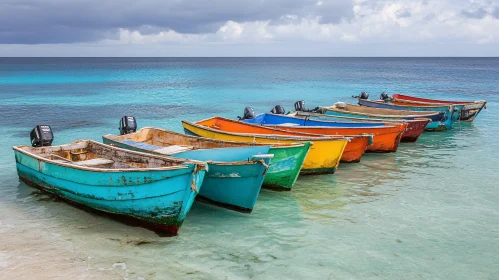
(162, 230)
(160, 201)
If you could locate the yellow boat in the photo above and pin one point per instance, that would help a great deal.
(324, 155)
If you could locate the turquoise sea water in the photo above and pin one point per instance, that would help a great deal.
(429, 211)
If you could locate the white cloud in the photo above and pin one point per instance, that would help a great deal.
(230, 30)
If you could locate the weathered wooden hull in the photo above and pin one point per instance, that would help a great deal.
(452, 112)
(234, 177)
(159, 199)
(386, 138)
(415, 127)
(323, 157)
(468, 114)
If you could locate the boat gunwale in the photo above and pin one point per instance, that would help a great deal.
(115, 170)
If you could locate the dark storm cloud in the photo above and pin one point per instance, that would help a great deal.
(61, 21)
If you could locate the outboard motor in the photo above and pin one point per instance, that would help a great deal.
(278, 110)
(41, 136)
(300, 106)
(364, 95)
(249, 113)
(385, 97)
(128, 124)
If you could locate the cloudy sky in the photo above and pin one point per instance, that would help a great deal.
(249, 28)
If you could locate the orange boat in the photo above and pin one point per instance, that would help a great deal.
(386, 136)
(386, 139)
(354, 149)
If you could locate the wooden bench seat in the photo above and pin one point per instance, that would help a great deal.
(94, 162)
(173, 149)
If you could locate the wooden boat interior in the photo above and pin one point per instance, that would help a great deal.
(87, 153)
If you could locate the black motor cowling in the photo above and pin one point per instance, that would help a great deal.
(385, 97)
(364, 95)
(41, 136)
(128, 124)
(300, 106)
(249, 113)
(278, 110)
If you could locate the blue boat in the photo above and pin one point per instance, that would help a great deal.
(235, 171)
(452, 112)
(345, 110)
(157, 191)
(284, 120)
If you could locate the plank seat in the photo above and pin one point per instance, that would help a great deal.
(61, 161)
(164, 150)
(173, 149)
(94, 162)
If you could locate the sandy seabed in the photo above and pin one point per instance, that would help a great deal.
(27, 251)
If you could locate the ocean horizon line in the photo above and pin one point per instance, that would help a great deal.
(249, 56)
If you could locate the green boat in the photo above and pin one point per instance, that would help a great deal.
(282, 173)
(285, 166)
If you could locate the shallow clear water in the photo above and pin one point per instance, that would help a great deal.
(429, 211)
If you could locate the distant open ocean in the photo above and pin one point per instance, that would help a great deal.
(428, 211)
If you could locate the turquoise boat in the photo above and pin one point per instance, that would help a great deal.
(235, 174)
(452, 112)
(156, 191)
